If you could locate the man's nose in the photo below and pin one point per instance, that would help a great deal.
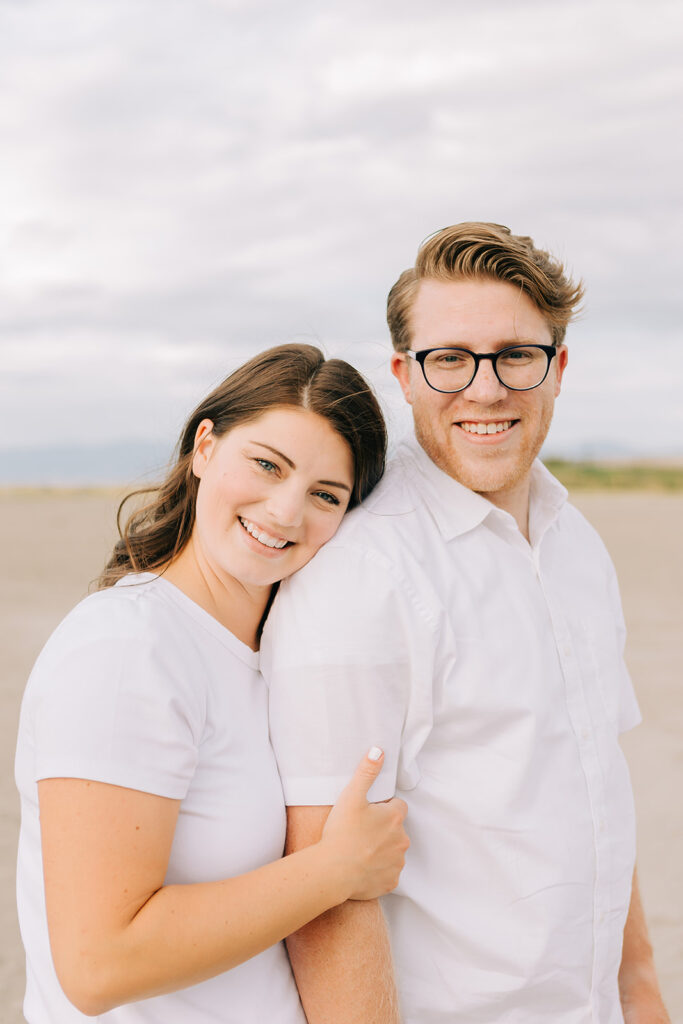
(485, 388)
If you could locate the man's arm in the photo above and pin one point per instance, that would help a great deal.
(638, 986)
(342, 960)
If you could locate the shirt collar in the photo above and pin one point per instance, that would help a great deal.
(456, 509)
(547, 498)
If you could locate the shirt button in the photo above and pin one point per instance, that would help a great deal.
(566, 651)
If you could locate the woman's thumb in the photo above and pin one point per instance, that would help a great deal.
(366, 773)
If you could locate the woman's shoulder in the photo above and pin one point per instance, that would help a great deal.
(132, 616)
(127, 639)
(115, 695)
(125, 610)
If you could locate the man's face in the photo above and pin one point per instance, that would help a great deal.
(484, 316)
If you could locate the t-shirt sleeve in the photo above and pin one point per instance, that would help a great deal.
(348, 661)
(112, 702)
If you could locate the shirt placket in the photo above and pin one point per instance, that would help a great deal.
(589, 756)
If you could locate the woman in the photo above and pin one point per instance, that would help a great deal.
(143, 760)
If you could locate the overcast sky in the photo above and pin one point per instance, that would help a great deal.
(185, 183)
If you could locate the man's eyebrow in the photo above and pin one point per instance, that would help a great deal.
(285, 458)
(501, 343)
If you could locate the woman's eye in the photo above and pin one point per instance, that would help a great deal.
(327, 497)
(266, 464)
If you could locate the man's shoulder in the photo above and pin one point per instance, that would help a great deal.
(375, 563)
(388, 516)
(576, 528)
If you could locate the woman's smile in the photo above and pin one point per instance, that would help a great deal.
(259, 535)
(271, 492)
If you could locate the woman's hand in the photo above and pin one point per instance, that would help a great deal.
(118, 933)
(367, 839)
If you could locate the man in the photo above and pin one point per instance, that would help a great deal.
(467, 620)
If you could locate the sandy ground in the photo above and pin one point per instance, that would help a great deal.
(53, 545)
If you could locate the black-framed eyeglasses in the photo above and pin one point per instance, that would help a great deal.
(518, 368)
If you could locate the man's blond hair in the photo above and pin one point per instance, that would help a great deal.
(477, 249)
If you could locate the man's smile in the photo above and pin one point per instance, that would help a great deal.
(485, 426)
(486, 433)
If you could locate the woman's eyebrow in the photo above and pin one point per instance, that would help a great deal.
(335, 483)
(281, 455)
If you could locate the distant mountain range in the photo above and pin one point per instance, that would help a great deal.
(132, 461)
(118, 462)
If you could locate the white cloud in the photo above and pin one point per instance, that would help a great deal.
(186, 182)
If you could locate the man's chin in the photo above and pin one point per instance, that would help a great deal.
(488, 469)
(489, 483)
(486, 474)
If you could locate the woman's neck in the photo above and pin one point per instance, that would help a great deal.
(237, 607)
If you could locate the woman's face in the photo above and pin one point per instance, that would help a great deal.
(271, 492)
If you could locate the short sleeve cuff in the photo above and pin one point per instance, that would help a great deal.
(127, 776)
(324, 791)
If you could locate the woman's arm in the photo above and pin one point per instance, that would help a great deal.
(118, 934)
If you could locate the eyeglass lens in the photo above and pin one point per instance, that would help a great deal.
(450, 369)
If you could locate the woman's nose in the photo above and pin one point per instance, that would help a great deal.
(286, 506)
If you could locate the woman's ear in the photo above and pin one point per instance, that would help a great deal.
(204, 442)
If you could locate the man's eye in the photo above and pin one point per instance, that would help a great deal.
(518, 355)
(450, 359)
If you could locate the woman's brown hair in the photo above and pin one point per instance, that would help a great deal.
(297, 376)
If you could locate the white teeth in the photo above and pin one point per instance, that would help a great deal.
(263, 538)
(486, 428)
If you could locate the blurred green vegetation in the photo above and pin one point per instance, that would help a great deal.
(586, 476)
(604, 476)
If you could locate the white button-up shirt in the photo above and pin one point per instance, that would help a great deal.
(490, 671)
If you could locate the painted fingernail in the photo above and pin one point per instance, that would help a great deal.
(374, 753)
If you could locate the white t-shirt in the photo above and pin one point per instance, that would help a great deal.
(490, 671)
(140, 687)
